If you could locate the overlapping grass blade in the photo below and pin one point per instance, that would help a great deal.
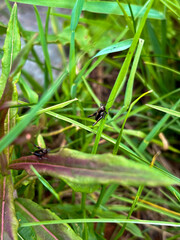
(156, 129)
(96, 7)
(44, 44)
(122, 73)
(20, 126)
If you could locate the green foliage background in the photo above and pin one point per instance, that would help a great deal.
(124, 55)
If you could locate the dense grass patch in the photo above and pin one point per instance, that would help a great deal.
(63, 174)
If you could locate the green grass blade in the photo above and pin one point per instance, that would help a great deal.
(166, 110)
(115, 150)
(117, 47)
(120, 233)
(57, 106)
(107, 7)
(90, 129)
(44, 44)
(164, 67)
(130, 83)
(21, 58)
(156, 129)
(31, 95)
(74, 22)
(175, 8)
(20, 126)
(154, 41)
(93, 95)
(45, 183)
(122, 73)
(108, 220)
(127, 18)
(76, 12)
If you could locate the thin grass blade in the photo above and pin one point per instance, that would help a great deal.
(20, 126)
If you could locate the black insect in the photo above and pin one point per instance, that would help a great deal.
(99, 114)
(40, 152)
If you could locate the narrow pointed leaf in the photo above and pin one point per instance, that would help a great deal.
(30, 94)
(32, 212)
(166, 110)
(8, 221)
(22, 56)
(57, 106)
(44, 43)
(76, 12)
(117, 47)
(82, 168)
(11, 48)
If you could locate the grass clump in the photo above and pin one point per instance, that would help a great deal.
(117, 178)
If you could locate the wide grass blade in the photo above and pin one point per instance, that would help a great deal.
(86, 169)
(107, 7)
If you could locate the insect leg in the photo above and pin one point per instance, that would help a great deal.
(92, 115)
(37, 146)
(98, 120)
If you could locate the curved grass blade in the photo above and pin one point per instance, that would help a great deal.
(117, 47)
(115, 150)
(45, 183)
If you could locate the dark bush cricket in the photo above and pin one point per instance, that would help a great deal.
(99, 114)
(40, 152)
